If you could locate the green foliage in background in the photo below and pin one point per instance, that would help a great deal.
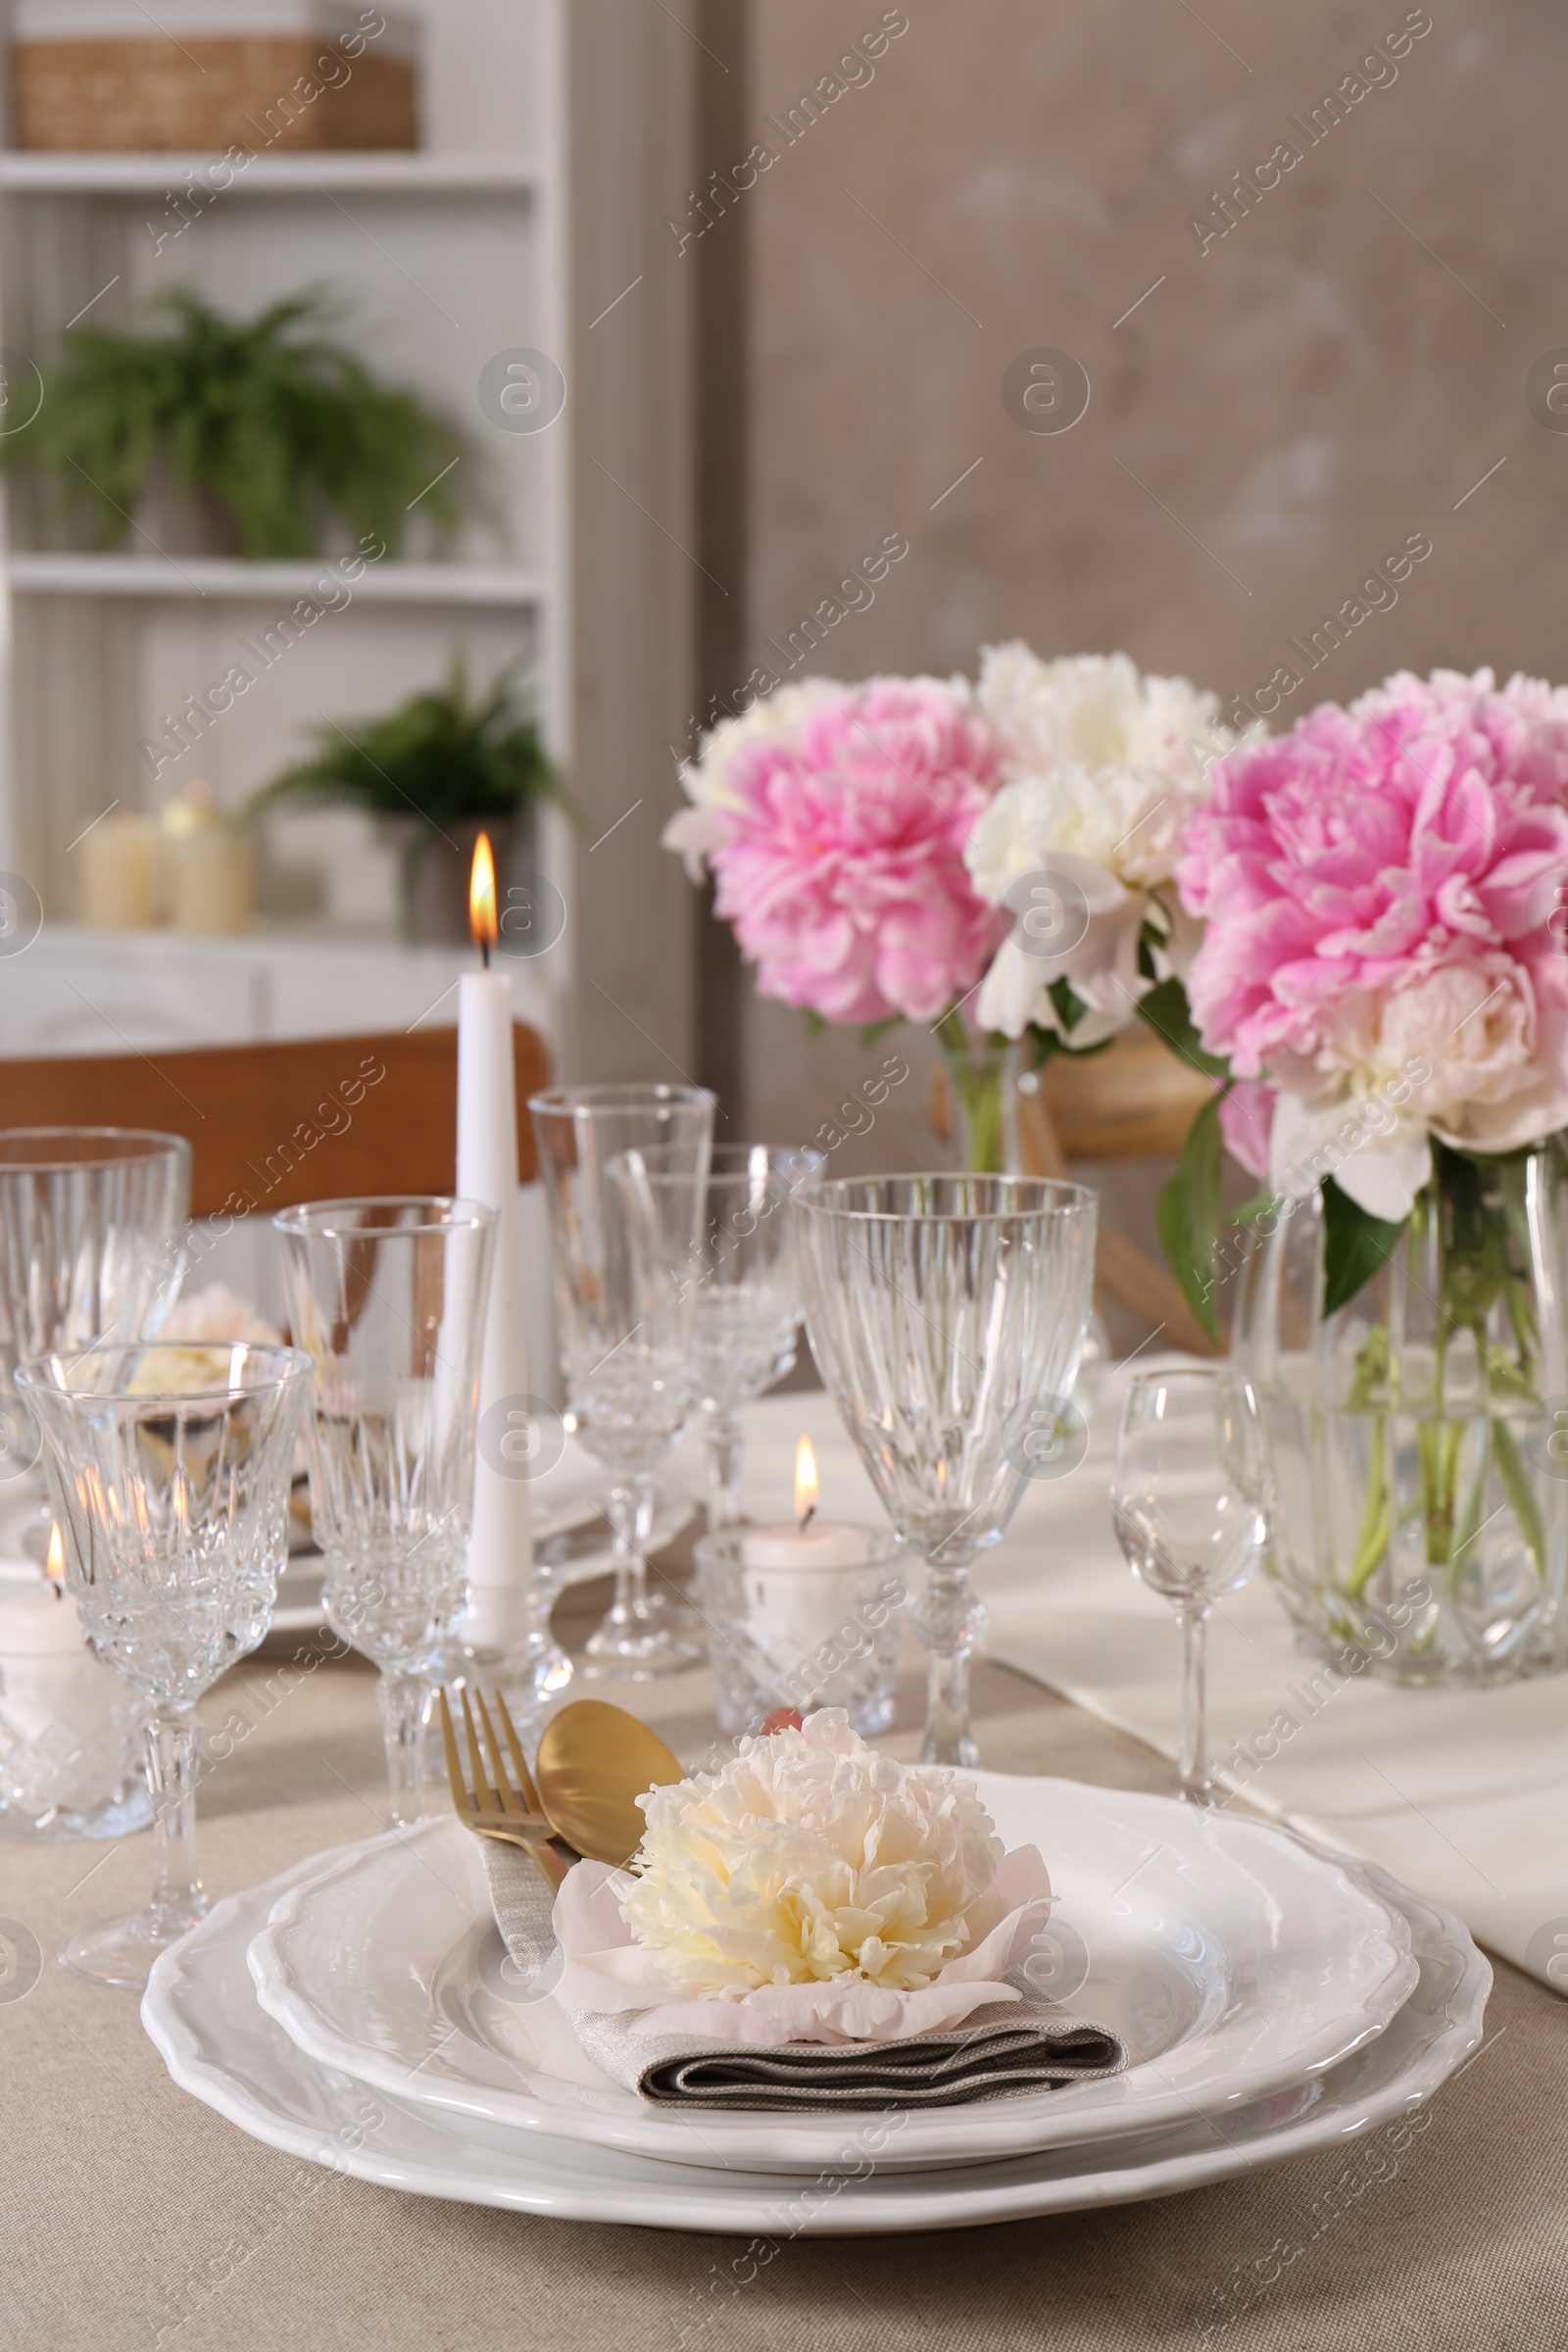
(283, 429)
(445, 754)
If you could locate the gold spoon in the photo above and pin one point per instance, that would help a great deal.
(593, 1762)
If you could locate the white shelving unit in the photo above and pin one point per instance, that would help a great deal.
(440, 259)
(34, 573)
(556, 136)
(272, 174)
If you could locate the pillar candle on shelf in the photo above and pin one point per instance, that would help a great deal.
(210, 882)
(116, 873)
(500, 1546)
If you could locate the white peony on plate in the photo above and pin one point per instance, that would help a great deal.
(201, 2013)
(1233, 1960)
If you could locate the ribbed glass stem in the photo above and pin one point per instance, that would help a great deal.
(726, 1452)
(173, 1752)
(405, 1702)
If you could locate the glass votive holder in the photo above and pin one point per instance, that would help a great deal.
(803, 1618)
(72, 1733)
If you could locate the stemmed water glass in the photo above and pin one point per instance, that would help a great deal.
(946, 1314)
(1190, 1501)
(388, 1299)
(624, 1325)
(92, 1223)
(168, 1471)
(746, 1287)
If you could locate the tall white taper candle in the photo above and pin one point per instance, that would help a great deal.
(501, 1547)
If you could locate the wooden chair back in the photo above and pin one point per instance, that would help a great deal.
(316, 1119)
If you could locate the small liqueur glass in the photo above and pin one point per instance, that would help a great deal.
(625, 1326)
(946, 1314)
(1191, 1500)
(168, 1471)
(387, 1298)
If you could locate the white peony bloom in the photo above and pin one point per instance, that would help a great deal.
(1472, 1025)
(1105, 759)
(809, 1890)
(696, 830)
(1462, 1049)
(1104, 769)
(812, 1857)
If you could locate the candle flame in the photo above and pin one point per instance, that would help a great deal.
(482, 895)
(806, 1481)
(55, 1566)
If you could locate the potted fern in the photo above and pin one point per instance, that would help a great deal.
(445, 765)
(257, 437)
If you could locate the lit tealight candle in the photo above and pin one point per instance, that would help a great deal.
(801, 1542)
(802, 1580)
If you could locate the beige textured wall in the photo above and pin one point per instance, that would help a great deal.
(1270, 422)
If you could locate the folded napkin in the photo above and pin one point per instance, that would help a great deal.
(1001, 2048)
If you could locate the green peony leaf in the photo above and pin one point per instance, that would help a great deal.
(1188, 1215)
(1355, 1245)
(1166, 1010)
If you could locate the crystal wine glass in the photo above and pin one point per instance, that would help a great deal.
(1191, 1501)
(746, 1286)
(946, 1314)
(92, 1226)
(388, 1299)
(169, 1472)
(624, 1326)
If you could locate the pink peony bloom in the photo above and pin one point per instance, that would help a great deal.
(1245, 1119)
(1380, 887)
(841, 865)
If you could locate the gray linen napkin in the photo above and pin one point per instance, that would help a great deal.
(1004, 2048)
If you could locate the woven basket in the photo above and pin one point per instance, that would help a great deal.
(207, 94)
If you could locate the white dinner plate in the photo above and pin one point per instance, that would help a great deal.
(201, 2013)
(1232, 1959)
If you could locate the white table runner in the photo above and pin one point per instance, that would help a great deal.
(1463, 1795)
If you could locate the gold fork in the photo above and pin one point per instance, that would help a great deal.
(495, 1807)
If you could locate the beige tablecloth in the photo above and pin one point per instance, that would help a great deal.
(132, 2218)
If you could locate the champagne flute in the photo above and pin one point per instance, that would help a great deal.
(387, 1298)
(624, 1325)
(737, 1230)
(1192, 1503)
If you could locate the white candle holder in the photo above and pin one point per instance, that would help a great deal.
(72, 1733)
(794, 1632)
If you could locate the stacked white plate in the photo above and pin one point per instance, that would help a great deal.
(361, 2011)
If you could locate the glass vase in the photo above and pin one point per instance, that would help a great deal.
(1420, 1431)
(979, 1109)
